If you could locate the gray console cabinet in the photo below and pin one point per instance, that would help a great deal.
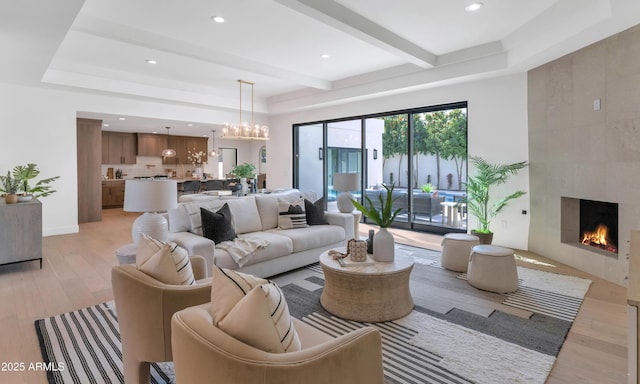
(20, 232)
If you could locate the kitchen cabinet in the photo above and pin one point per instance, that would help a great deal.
(183, 144)
(112, 193)
(150, 144)
(119, 147)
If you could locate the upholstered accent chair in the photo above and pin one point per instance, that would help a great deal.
(202, 353)
(144, 308)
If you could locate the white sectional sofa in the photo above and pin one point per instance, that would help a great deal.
(256, 217)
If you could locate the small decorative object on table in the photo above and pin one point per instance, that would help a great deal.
(357, 250)
(370, 241)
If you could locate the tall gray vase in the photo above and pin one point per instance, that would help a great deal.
(383, 245)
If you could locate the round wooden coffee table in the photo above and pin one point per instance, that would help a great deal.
(374, 292)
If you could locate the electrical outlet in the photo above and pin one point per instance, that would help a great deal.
(596, 104)
(503, 223)
(524, 211)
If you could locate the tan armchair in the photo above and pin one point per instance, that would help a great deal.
(144, 308)
(205, 354)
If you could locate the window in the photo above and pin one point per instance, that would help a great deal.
(421, 152)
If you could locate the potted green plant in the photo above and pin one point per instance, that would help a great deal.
(383, 242)
(244, 171)
(28, 172)
(478, 197)
(10, 186)
(428, 188)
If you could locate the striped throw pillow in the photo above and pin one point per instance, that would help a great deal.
(291, 215)
(165, 262)
(262, 320)
(228, 287)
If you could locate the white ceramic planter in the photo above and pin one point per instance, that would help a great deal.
(383, 245)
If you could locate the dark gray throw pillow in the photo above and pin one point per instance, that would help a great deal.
(217, 225)
(314, 211)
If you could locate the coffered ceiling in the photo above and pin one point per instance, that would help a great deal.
(374, 47)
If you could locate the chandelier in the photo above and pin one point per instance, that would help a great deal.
(243, 130)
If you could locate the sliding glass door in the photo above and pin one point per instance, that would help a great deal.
(422, 153)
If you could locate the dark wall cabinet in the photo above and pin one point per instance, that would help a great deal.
(119, 147)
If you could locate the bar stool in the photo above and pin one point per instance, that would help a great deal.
(456, 248)
(191, 186)
(492, 268)
(215, 185)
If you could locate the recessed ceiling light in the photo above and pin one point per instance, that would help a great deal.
(105, 125)
(473, 7)
(151, 61)
(122, 118)
(325, 56)
(217, 19)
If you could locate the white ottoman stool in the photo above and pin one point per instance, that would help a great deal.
(456, 248)
(127, 254)
(492, 268)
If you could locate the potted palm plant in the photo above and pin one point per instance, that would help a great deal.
(478, 193)
(24, 173)
(383, 242)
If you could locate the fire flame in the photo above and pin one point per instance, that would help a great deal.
(599, 236)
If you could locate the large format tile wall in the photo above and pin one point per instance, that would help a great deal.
(576, 151)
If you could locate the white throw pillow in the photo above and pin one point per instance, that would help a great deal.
(245, 215)
(262, 320)
(291, 214)
(228, 287)
(165, 262)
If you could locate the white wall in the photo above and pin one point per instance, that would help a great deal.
(497, 130)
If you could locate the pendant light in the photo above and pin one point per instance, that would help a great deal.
(244, 130)
(213, 152)
(168, 152)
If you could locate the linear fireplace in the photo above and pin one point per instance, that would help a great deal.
(590, 224)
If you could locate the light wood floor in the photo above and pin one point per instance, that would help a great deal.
(76, 274)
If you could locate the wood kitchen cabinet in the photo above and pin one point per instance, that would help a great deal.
(113, 193)
(183, 144)
(150, 144)
(119, 147)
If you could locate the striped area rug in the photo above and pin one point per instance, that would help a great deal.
(456, 347)
(85, 346)
(548, 303)
(403, 362)
(544, 301)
